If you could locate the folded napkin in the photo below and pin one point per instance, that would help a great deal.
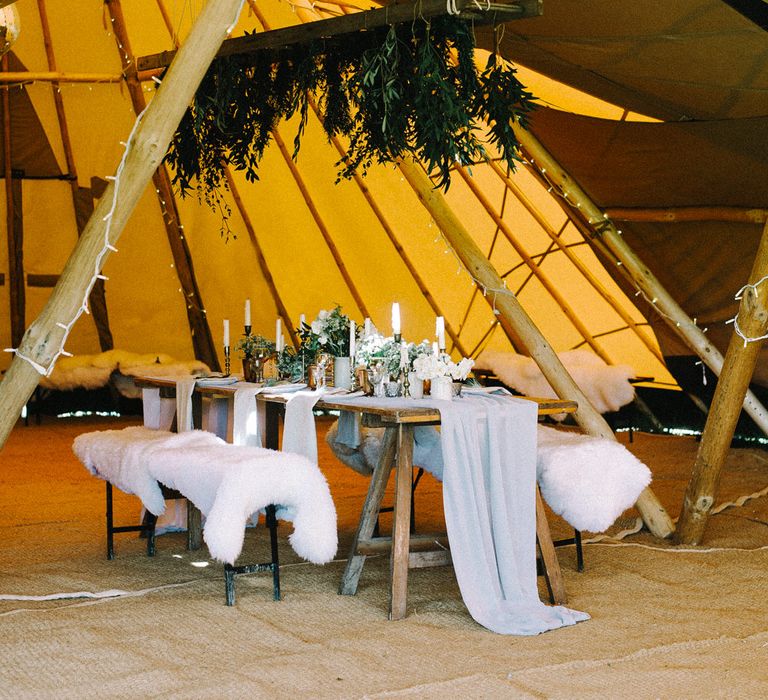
(248, 417)
(184, 389)
(158, 413)
(299, 434)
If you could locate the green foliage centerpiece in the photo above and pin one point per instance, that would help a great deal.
(411, 89)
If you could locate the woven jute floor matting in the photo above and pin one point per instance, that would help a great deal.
(676, 622)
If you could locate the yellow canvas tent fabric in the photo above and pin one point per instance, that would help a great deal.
(321, 243)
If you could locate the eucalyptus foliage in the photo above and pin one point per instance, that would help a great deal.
(409, 89)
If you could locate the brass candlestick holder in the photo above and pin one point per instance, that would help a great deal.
(226, 360)
(406, 382)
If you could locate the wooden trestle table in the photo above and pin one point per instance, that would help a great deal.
(406, 550)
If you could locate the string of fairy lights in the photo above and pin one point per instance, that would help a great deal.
(106, 248)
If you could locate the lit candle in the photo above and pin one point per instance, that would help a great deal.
(226, 332)
(247, 312)
(366, 327)
(302, 321)
(396, 318)
(278, 333)
(440, 332)
(435, 350)
(352, 329)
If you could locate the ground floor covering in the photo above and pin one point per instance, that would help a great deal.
(666, 621)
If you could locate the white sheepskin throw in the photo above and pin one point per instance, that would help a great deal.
(427, 452)
(253, 482)
(116, 456)
(588, 481)
(606, 386)
(228, 483)
(94, 371)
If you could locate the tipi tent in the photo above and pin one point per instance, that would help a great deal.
(296, 241)
(320, 244)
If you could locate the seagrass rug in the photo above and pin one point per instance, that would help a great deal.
(666, 621)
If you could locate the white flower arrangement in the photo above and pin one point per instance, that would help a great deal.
(331, 331)
(431, 366)
(375, 349)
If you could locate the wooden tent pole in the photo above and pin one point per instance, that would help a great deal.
(513, 315)
(577, 262)
(326, 234)
(639, 273)
(13, 226)
(43, 340)
(200, 331)
(740, 360)
(559, 299)
(97, 299)
(261, 259)
(677, 214)
(393, 13)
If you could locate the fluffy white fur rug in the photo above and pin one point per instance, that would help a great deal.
(588, 481)
(115, 456)
(606, 386)
(94, 371)
(228, 483)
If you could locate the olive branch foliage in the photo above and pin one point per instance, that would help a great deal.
(408, 89)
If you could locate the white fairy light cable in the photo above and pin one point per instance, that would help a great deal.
(735, 320)
(106, 248)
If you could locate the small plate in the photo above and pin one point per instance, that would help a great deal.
(216, 381)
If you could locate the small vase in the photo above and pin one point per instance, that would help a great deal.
(342, 372)
(442, 388)
(415, 386)
(253, 370)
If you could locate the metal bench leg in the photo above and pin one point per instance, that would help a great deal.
(110, 531)
(272, 525)
(274, 565)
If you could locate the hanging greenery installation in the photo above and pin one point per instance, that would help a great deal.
(408, 89)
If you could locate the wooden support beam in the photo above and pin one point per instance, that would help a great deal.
(13, 225)
(724, 411)
(43, 340)
(202, 340)
(361, 21)
(679, 214)
(512, 315)
(609, 237)
(57, 77)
